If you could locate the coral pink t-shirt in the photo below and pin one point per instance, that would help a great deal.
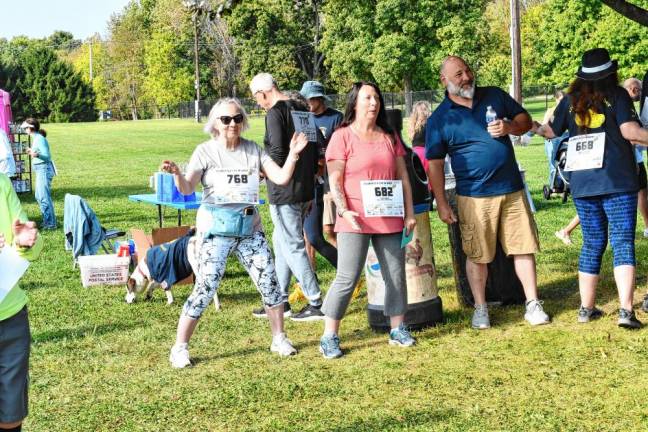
(365, 161)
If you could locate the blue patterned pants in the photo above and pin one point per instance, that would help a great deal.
(252, 252)
(615, 214)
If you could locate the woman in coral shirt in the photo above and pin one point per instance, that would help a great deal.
(371, 188)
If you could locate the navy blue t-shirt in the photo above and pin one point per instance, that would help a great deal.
(619, 171)
(327, 122)
(483, 165)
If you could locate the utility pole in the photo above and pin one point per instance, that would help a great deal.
(196, 70)
(196, 7)
(516, 52)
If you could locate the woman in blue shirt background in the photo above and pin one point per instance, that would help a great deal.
(43, 169)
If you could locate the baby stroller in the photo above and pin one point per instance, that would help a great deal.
(559, 179)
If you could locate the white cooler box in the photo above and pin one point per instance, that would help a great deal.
(103, 269)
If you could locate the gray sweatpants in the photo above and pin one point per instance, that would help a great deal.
(352, 254)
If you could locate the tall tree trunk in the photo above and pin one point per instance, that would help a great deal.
(407, 88)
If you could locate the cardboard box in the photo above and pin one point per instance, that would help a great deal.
(103, 270)
(143, 243)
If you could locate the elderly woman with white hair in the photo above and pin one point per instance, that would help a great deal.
(228, 166)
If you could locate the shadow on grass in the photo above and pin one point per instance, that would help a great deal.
(240, 296)
(80, 332)
(404, 420)
(356, 341)
(554, 203)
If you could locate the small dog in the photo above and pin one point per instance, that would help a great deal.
(184, 264)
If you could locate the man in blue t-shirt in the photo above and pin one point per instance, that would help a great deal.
(490, 192)
(321, 218)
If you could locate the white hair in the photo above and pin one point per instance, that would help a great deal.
(627, 83)
(262, 82)
(215, 113)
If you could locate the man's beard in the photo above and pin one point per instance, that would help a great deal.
(466, 93)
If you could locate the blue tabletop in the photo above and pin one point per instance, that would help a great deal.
(152, 199)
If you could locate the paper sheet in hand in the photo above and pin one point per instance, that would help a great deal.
(405, 239)
(12, 267)
(304, 121)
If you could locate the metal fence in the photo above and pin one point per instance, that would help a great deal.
(393, 100)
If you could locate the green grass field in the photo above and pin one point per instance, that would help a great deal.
(99, 364)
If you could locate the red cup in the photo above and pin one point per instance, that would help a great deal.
(124, 250)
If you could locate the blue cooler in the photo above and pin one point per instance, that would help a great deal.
(166, 190)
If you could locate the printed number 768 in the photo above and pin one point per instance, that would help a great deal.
(237, 178)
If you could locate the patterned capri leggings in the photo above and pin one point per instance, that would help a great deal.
(616, 213)
(252, 252)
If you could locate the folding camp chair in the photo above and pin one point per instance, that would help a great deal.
(84, 235)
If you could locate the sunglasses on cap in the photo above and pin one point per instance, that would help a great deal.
(238, 118)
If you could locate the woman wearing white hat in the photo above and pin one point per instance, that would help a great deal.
(44, 170)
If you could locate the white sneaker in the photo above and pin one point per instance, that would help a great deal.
(480, 320)
(179, 356)
(535, 315)
(646, 232)
(282, 345)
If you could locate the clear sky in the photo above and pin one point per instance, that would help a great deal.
(40, 18)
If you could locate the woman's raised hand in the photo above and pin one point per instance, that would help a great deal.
(169, 167)
(298, 143)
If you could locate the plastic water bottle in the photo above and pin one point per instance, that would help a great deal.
(491, 115)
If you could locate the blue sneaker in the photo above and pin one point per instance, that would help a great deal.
(401, 336)
(330, 347)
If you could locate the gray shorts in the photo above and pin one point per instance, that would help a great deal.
(14, 366)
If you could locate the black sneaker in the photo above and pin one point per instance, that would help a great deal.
(627, 319)
(644, 304)
(309, 313)
(586, 315)
(261, 312)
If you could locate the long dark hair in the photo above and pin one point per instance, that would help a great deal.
(586, 95)
(352, 99)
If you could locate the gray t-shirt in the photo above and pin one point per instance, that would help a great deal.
(211, 159)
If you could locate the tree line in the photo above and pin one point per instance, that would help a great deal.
(144, 65)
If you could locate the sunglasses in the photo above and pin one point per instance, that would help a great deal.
(238, 118)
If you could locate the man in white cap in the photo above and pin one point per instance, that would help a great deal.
(289, 204)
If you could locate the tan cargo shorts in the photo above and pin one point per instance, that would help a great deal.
(507, 218)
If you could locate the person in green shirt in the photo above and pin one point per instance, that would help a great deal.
(20, 234)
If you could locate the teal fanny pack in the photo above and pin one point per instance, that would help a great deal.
(231, 223)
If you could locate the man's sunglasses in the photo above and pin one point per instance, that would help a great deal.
(238, 118)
